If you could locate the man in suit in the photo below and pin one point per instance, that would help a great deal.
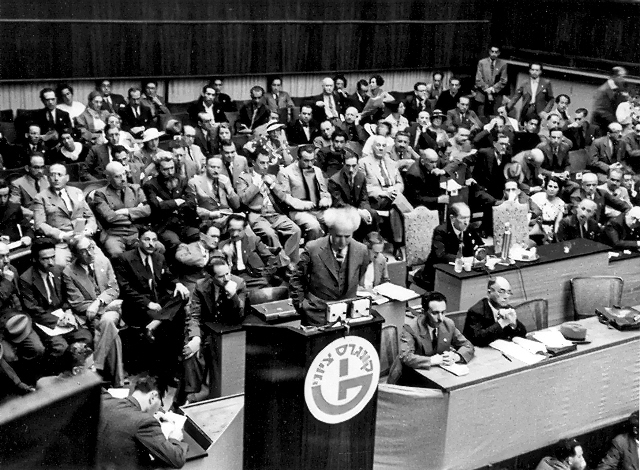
(129, 434)
(152, 100)
(607, 152)
(529, 163)
(493, 317)
(589, 190)
(120, 208)
(359, 99)
(581, 224)
(528, 138)
(536, 94)
(623, 232)
(111, 102)
(278, 99)
(491, 78)
(401, 152)
(348, 187)
(136, 118)
(51, 119)
(133, 170)
(568, 456)
(327, 106)
(607, 98)
(232, 163)
(580, 132)
(59, 209)
(331, 159)
(431, 339)
(14, 226)
(100, 155)
(560, 108)
(490, 132)
(448, 99)
(248, 257)
(34, 145)
(556, 155)
(305, 192)
(422, 184)
(45, 300)
(461, 116)
(192, 258)
(631, 143)
(330, 268)
(206, 104)
(351, 126)
(303, 130)
(623, 453)
(25, 188)
(92, 293)
(264, 200)
(384, 186)
(417, 103)
(253, 114)
(420, 134)
(206, 134)
(214, 193)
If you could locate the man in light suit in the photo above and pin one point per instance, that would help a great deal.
(194, 152)
(305, 192)
(385, 186)
(607, 151)
(92, 292)
(327, 106)
(215, 195)
(330, 268)
(100, 155)
(277, 99)
(25, 188)
(536, 94)
(233, 164)
(491, 78)
(431, 339)
(57, 211)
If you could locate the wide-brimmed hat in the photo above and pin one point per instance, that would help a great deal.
(437, 114)
(18, 327)
(274, 126)
(151, 134)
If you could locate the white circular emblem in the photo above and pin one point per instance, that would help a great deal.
(342, 379)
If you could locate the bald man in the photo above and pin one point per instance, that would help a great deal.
(581, 224)
(351, 125)
(328, 105)
(120, 208)
(530, 162)
(493, 317)
(589, 190)
(623, 232)
(606, 152)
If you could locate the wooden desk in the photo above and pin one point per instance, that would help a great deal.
(628, 268)
(228, 360)
(503, 409)
(547, 278)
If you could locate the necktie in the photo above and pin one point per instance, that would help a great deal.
(55, 300)
(65, 199)
(109, 105)
(229, 172)
(93, 278)
(238, 255)
(37, 185)
(50, 117)
(122, 195)
(581, 231)
(434, 339)
(493, 67)
(385, 175)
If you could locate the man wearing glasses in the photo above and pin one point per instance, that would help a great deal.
(493, 317)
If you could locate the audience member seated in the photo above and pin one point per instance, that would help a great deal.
(323, 138)
(305, 192)
(248, 257)
(417, 102)
(34, 145)
(623, 232)
(581, 224)
(136, 118)
(192, 258)
(421, 136)
(556, 156)
(631, 143)
(214, 193)
(92, 121)
(374, 107)
(331, 159)
(580, 131)
(632, 186)
(552, 208)
(66, 103)
(430, 339)
(560, 108)
(607, 151)
(60, 212)
(509, 121)
(360, 97)
(327, 106)
(129, 435)
(529, 163)
(490, 132)
(613, 186)
(14, 226)
(253, 114)
(232, 163)
(448, 238)
(152, 100)
(351, 126)
(76, 360)
(395, 118)
(25, 188)
(277, 99)
(100, 155)
(528, 138)
(448, 99)
(401, 152)
(462, 116)
(173, 204)
(423, 184)
(434, 89)
(153, 301)
(111, 102)
(304, 130)
(382, 129)
(206, 105)
(623, 454)
(493, 317)
(92, 292)
(51, 119)
(568, 456)
(45, 300)
(330, 268)
(377, 271)
(461, 144)
(264, 200)
(602, 199)
(340, 82)
(126, 139)
(222, 100)
(149, 151)
(68, 151)
(133, 170)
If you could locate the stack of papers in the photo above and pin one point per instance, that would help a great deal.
(532, 346)
(456, 369)
(395, 292)
(376, 299)
(516, 352)
(551, 338)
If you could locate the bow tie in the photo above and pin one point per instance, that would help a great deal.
(304, 125)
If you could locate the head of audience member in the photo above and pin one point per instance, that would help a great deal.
(256, 94)
(424, 120)
(43, 254)
(555, 137)
(553, 122)
(362, 87)
(396, 108)
(499, 291)
(586, 210)
(261, 163)
(148, 394)
(208, 94)
(375, 82)
(327, 85)
(500, 124)
(166, 167)
(535, 70)
(629, 180)
(134, 95)
(532, 124)
(66, 139)
(120, 154)
(454, 86)
(614, 131)
(552, 186)
(150, 88)
(339, 140)
(632, 217)
(36, 167)
(216, 83)
(341, 224)
(580, 115)
(460, 216)
(494, 52)
(218, 269)
(463, 104)
(95, 100)
(228, 152)
(4, 256)
(614, 179)
(116, 174)
(112, 134)
(104, 87)
(214, 167)
(224, 133)
(306, 157)
(83, 249)
(401, 141)
(436, 81)
(434, 306)
(632, 425)
(48, 98)
(33, 134)
(275, 85)
(569, 451)
(340, 82)
(4, 192)
(235, 226)
(114, 120)
(501, 144)
(350, 165)
(305, 114)
(562, 102)
(350, 115)
(378, 146)
(429, 159)
(462, 136)
(209, 235)
(148, 240)
(178, 149)
(64, 93)
(383, 128)
(77, 359)
(511, 190)
(189, 135)
(205, 122)
(437, 118)
(420, 90)
(375, 244)
(619, 76)
(326, 129)
(58, 177)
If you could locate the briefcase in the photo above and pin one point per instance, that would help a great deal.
(621, 318)
(277, 310)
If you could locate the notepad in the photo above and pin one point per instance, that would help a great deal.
(551, 338)
(456, 369)
(516, 352)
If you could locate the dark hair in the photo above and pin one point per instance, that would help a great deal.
(456, 79)
(362, 82)
(271, 78)
(402, 134)
(306, 106)
(378, 78)
(144, 83)
(235, 216)
(339, 133)
(307, 148)
(45, 90)
(340, 77)
(119, 148)
(177, 144)
(566, 448)
(533, 116)
(255, 89)
(3, 183)
(633, 421)
(583, 111)
(383, 123)
(434, 296)
(531, 64)
(214, 78)
(133, 89)
(417, 84)
(41, 244)
(108, 127)
(393, 106)
(61, 87)
(146, 384)
(561, 95)
(437, 72)
(555, 179)
(142, 229)
(101, 80)
(75, 355)
(373, 238)
(208, 85)
(491, 46)
(66, 130)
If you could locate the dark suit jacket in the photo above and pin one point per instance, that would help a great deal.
(470, 119)
(207, 144)
(144, 118)
(421, 140)
(543, 99)
(296, 135)
(483, 167)
(357, 101)
(197, 107)
(582, 136)
(97, 160)
(618, 234)
(127, 436)
(224, 102)
(355, 132)
(330, 161)
(22, 153)
(605, 103)
(446, 101)
(422, 188)
(117, 102)
(319, 113)
(246, 116)
(562, 153)
(602, 156)
(623, 454)
(316, 280)
(569, 229)
(602, 199)
(62, 121)
(413, 108)
(10, 217)
(342, 195)
(204, 308)
(34, 296)
(256, 256)
(481, 328)
(165, 212)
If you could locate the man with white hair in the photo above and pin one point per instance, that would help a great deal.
(623, 232)
(581, 224)
(607, 151)
(589, 190)
(330, 267)
(327, 106)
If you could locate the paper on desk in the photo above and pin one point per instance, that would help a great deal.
(516, 352)
(170, 421)
(118, 392)
(532, 346)
(551, 338)
(375, 298)
(395, 292)
(58, 330)
(456, 369)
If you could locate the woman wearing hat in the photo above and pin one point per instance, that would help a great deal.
(150, 147)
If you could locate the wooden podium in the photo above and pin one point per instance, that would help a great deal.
(227, 351)
(311, 396)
